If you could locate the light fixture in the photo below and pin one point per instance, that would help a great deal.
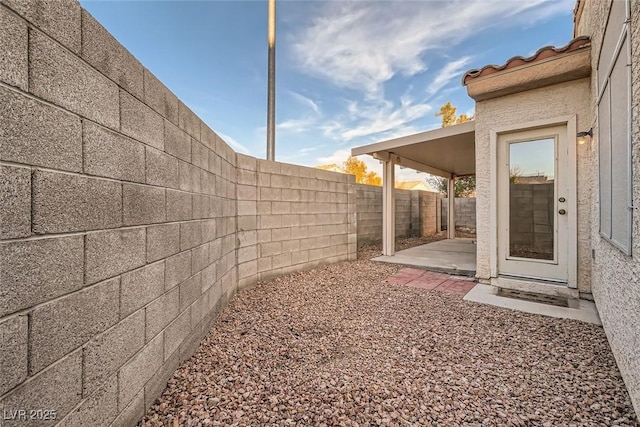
(582, 136)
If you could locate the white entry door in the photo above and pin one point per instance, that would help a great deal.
(533, 203)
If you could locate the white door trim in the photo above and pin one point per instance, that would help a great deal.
(570, 121)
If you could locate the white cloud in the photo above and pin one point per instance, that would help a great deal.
(296, 125)
(307, 150)
(447, 73)
(337, 157)
(234, 144)
(374, 117)
(306, 101)
(385, 118)
(362, 45)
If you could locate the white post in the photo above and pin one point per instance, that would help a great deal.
(388, 209)
(451, 220)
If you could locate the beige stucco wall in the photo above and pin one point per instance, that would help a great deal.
(615, 276)
(513, 110)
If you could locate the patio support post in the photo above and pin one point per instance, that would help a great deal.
(451, 212)
(388, 208)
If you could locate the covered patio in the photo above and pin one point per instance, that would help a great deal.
(447, 152)
(453, 256)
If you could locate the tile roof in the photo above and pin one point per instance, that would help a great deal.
(516, 61)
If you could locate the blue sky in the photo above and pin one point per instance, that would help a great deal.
(348, 72)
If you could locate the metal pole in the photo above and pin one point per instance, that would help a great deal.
(271, 89)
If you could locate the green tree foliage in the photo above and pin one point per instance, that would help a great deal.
(465, 186)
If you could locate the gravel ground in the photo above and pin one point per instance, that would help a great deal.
(336, 346)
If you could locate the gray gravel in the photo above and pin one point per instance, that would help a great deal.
(336, 346)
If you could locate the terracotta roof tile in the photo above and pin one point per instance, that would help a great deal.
(516, 61)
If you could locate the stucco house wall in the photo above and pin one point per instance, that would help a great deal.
(615, 276)
(512, 110)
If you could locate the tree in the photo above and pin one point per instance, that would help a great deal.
(463, 118)
(447, 114)
(515, 172)
(372, 178)
(449, 117)
(466, 185)
(358, 168)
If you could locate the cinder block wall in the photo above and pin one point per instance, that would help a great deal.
(118, 221)
(369, 213)
(429, 213)
(292, 218)
(415, 213)
(465, 212)
(403, 213)
(531, 209)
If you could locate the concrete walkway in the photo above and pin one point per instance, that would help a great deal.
(578, 309)
(457, 256)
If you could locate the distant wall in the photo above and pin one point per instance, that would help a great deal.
(120, 238)
(531, 216)
(416, 213)
(292, 218)
(465, 212)
(429, 213)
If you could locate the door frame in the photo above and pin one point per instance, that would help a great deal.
(570, 121)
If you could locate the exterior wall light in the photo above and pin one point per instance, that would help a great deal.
(582, 136)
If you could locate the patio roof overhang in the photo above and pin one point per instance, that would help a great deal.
(448, 152)
(444, 152)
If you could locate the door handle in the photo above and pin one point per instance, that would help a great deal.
(562, 212)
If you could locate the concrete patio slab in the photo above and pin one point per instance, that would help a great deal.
(457, 256)
(578, 309)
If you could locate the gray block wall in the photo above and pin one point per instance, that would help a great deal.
(416, 213)
(531, 217)
(120, 238)
(465, 212)
(429, 212)
(292, 218)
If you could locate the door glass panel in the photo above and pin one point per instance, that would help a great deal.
(531, 199)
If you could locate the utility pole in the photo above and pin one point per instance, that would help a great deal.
(271, 88)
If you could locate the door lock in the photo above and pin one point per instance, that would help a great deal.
(562, 212)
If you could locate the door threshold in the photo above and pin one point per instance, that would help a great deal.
(537, 286)
(582, 310)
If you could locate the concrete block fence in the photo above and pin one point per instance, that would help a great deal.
(416, 213)
(465, 212)
(292, 218)
(126, 223)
